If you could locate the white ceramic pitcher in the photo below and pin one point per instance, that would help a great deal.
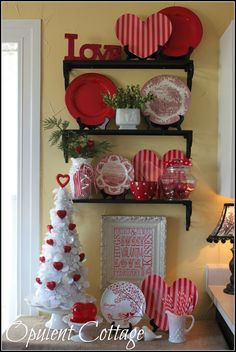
(177, 326)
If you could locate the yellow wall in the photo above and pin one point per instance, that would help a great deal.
(187, 251)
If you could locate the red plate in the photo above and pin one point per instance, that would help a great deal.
(187, 31)
(84, 98)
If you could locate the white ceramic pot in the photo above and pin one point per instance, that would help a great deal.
(128, 119)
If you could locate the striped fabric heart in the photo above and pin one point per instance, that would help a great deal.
(147, 166)
(173, 154)
(156, 290)
(143, 37)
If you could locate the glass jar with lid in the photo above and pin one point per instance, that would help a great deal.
(177, 182)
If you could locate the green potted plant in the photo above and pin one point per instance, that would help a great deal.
(81, 150)
(128, 102)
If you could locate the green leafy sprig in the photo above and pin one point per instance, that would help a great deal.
(73, 146)
(128, 98)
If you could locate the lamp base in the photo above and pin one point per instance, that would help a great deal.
(230, 286)
(229, 289)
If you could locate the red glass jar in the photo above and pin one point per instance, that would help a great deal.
(177, 182)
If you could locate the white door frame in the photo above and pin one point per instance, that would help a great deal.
(27, 34)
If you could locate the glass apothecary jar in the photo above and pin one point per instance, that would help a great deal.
(177, 182)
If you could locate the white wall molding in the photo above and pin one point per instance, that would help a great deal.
(27, 34)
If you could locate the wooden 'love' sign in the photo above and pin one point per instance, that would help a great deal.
(91, 51)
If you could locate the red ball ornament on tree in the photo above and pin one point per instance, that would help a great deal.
(78, 149)
(83, 312)
(90, 143)
(82, 256)
(67, 249)
(58, 265)
(51, 285)
(50, 242)
(71, 226)
(76, 277)
(38, 280)
(50, 227)
(61, 213)
(42, 259)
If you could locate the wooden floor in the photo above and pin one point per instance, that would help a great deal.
(205, 335)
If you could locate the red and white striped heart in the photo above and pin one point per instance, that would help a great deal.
(156, 290)
(143, 37)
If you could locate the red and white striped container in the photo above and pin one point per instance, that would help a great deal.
(156, 290)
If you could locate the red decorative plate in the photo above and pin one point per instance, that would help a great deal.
(147, 166)
(143, 37)
(171, 99)
(187, 31)
(155, 290)
(113, 174)
(84, 98)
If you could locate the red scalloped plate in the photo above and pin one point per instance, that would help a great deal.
(187, 31)
(84, 101)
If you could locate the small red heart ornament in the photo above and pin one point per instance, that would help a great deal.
(143, 37)
(67, 249)
(42, 259)
(50, 227)
(71, 226)
(155, 290)
(83, 312)
(50, 242)
(38, 280)
(61, 213)
(58, 265)
(51, 285)
(63, 184)
(76, 277)
(82, 256)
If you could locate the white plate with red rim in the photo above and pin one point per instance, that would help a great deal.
(147, 166)
(113, 174)
(171, 99)
(123, 303)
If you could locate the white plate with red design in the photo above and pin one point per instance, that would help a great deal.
(171, 99)
(123, 303)
(113, 174)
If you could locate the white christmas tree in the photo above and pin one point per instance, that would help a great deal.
(61, 279)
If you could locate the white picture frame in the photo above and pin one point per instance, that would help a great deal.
(131, 248)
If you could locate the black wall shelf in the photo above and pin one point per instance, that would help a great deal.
(187, 134)
(184, 64)
(186, 202)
